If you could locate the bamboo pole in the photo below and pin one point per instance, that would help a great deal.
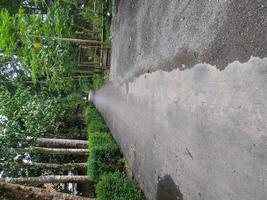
(62, 142)
(68, 39)
(51, 166)
(55, 151)
(48, 179)
(16, 191)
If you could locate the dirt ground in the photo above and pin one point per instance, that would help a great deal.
(167, 34)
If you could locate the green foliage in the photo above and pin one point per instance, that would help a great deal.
(30, 114)
(89, 15)
(104, 153)
(26, 114)
(117, 186)
(32, 34)
(98, 81)
(7, 33)
(31, 38)
(107, 22)
(94, 121)
(91, 115)
(97, 126)
(11, 6)
(98, 139)
(94, 16)
(102, 159)
(4, 198)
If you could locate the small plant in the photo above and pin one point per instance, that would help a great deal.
(102, 159)
(106, 164)
(117, 186)
(97, 126)
(98, 138)
(91, 115)
(98, 81)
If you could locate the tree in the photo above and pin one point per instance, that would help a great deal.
(47, 179)
(29, 115)
(26, 115)
(53, 151)
(33, 193)
(53, 142)
(42, 42)
(42, 57)
(49, 166)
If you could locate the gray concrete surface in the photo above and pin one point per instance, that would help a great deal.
(197, 134)
(189, 130)
(167, 34)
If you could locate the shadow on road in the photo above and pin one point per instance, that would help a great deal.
(167, 189)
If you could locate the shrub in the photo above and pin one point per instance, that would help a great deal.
(117, 186)
(102, 159)
(97, 139)
(98, 81)
(97, 126)
(104, 153)
(94, 121)
(91, 114)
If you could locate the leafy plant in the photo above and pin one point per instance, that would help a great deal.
(104, 153)
(98, 81)
(29, 114)
(35, 40)
(117, 186)
(102, 159)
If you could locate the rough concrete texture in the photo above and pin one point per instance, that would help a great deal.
(190, 131)
(167, 34)
(197, 134)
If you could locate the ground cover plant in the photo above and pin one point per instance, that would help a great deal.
(104, 153)
(106, 165)
(117, 186)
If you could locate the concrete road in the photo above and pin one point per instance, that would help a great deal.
(193, 134)
(196, 132)
(165, 34)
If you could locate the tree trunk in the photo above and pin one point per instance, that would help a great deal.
(48, 179)
(51, 142)
(32, 193)
(80, 41)
(53, 151)
(51, 166)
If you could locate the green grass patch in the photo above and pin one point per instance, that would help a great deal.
(117, 186)
(104, 153)
(98, 81)
(94, 121)
(98, 139)
(91, 115)
(97, 126)
(106, 164)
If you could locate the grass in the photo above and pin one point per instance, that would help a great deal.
(117, 186)
(104, 153)
(98, 81)
(106, 165)
(103, 159)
